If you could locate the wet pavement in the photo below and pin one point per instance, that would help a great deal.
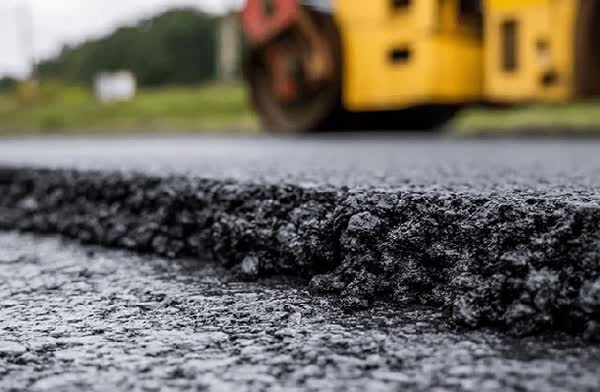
(84, 318)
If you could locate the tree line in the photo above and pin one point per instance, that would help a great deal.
(176, 47)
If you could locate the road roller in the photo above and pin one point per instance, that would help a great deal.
(412, 64)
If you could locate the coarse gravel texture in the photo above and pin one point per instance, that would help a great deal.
(78, 318)
(492, 234)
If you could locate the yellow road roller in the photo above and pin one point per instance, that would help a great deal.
(411, 64)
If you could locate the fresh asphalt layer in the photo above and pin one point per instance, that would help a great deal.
(463, 242)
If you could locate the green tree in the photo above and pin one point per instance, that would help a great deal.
(7, 84)
(176, 47)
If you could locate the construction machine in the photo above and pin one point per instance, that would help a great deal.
(411, 64)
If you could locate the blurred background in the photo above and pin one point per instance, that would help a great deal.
(165, 66)
(152, 65)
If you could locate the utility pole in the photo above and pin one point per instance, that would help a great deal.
(229, 45)
(25, 28)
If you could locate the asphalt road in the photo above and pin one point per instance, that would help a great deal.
(78, 318)
(358, 161)
(417, 263)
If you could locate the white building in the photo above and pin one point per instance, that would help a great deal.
(115, 86)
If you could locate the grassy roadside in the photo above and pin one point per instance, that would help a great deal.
(581, 117)
(74, 110)
(57, 108)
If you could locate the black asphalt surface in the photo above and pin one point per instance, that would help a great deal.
(87, 319)
(441, 250)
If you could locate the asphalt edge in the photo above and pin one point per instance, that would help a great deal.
(515, 262)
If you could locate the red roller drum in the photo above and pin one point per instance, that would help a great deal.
(294, 64)
(264, 19)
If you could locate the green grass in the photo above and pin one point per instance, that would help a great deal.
(544, 119)
(224, 107)
(73, 109)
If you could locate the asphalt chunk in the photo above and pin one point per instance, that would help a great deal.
(500, 234)
(522, 262)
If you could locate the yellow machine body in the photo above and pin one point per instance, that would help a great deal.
(402, 54)
(530, 50)
(399, 54)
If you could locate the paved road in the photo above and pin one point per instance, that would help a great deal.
(380, 161)
(469, 243)
(75, 318)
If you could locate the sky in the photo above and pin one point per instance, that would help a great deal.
(59, 22)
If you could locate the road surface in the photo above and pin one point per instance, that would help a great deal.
(79, 318)
(410, 263)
